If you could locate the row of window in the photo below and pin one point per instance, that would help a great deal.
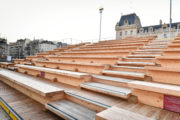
(126, 33)
(151, 29)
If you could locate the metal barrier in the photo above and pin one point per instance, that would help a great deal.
(12, 114)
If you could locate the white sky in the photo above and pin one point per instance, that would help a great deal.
(77, 19)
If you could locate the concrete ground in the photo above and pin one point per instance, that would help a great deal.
(3, 115)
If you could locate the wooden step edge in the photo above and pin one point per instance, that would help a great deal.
(125, 74)
(59, 112)
(109, 92)
(88, 100)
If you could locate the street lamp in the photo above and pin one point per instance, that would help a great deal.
(100, 10)
(170, 24)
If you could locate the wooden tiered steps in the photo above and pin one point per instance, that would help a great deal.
(164, 74)
(86, 91)
(171, 52)
(32, 87)
(114, 113)
(6, 64)
(133, 66)
(169, 61)
(107, 48)
(126, 74)
(72, 66)
(55, 75)
(89, 103)
(107, 89)
(82, 59)
(23, 105)
(115, 45)
(155, 92)
(64, 109)
(121, 53)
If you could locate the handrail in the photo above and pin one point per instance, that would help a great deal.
(12, 114)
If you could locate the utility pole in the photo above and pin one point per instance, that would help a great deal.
(100, 10)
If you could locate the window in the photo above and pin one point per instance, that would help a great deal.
(131, 32)
(126, 22)
(120, 33)
(151, 29)
(126, 32)
(165, 36)
(164, 29)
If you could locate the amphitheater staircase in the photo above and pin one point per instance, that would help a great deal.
(106, 80)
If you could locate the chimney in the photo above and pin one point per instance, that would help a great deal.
(160, 22)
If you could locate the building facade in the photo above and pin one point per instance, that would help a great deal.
(16, 49)
(130, 25)
(3, 49)
(39, 46)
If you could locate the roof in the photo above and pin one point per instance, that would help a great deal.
(160, 26)
(131, 19)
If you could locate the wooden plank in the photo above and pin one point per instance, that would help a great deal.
(156, 87)
(33, 84)
(72, 110)
(116, 113)
(35, 110)
(149, 98)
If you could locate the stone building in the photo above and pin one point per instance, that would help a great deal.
(130, 25)
(3, 49)
(16, 49)
(39, 46)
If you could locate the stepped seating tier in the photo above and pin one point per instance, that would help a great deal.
(153, 93)
(156, 87)
(169, 61)
(127, 68)
(139, 59)
(33, 87)
(117, 113)
(107, 89)
(62, 76)
(121, 53)
(142, 56)
(136, 63)
(63, 108)
(82, 59)
(120, 42)
(114, 81)
(114, 45)
(164, 74)
(31, 58)
(174, 45)
(19, 61)
(149, 50)
(107, 48)
(6, 64)
(171, 52)
(86, 102)
(125, 74)
(72, 66)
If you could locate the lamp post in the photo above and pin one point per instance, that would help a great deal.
(100, 10)
(170, 21)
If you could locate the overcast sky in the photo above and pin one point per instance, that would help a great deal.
(77, 19)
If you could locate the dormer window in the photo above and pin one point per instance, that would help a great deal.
(151, 29)
(126, 22)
